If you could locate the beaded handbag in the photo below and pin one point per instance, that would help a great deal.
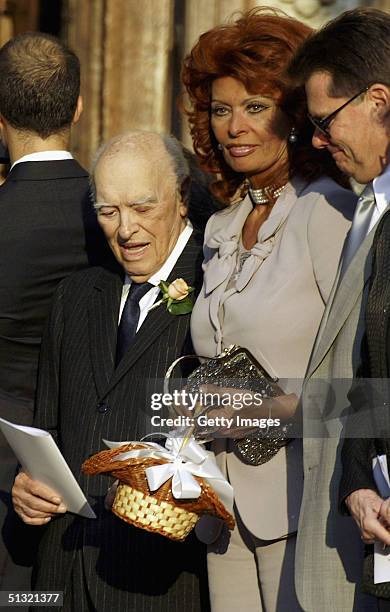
(236, 367)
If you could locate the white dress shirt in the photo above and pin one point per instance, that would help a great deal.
(365, 217)
(43, 156)
(381, 187)
(149, 298)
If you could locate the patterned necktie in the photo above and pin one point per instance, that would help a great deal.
(130, 317)
(360, 226)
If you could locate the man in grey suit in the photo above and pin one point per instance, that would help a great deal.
(96, 381)
(344, 67)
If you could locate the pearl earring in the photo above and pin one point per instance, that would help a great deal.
(220, 147)
(293, 136)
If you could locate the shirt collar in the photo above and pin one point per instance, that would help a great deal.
(43, 156)
(381, 187)
(167, 267)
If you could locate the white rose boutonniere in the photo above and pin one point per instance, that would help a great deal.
(178, 290)
(176, 296)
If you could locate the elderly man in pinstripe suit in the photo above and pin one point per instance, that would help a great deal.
(94, 383)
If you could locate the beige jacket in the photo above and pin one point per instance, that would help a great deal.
(274, 309)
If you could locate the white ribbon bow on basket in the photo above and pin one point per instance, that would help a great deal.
(185, 459)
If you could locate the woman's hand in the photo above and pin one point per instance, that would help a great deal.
(224, 409)
(35, 502)
(224, 422)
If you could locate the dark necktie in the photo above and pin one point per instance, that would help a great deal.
(360, 225)
(130, 317)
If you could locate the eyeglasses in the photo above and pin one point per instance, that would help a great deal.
(323, 124)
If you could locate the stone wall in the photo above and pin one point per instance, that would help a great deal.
(131, 52)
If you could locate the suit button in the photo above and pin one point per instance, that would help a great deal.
(102, 407)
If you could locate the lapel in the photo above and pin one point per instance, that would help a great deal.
(344, 296)
(188, 267)
(103, 310)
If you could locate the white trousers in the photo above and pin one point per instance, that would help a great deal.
(253, 575)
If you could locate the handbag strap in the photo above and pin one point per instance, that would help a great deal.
(169, 371)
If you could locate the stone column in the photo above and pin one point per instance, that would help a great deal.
(84, 30)
(131, 52)
(125, 49)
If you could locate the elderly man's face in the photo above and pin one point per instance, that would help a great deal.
(139, 211)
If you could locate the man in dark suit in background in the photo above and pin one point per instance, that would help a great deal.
(48, 230)
(93, 386)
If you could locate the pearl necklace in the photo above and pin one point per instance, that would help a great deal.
(265, 195)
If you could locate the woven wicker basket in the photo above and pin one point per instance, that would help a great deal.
(158, 512)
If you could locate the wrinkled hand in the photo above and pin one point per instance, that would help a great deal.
(35, 502)
(384, 513)
(371, 514)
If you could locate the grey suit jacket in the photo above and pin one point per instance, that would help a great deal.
(329, 550)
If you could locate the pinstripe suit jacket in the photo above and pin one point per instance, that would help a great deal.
(82, 399)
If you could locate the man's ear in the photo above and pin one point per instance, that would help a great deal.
(379, 95)
(183, 205)
(3, 131)
(185, 196)
(79, 110)
(183, 210)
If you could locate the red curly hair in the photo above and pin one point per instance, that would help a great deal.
(255, 49)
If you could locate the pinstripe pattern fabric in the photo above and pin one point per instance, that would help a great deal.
(125, 568)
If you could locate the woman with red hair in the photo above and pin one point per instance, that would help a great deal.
(271, 255)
